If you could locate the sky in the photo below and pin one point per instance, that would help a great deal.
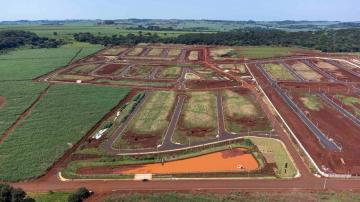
(266, 10)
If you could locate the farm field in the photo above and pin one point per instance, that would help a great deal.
(242, 113)
(58, 121)
(198, 120)
(149, 124)
(17, 96)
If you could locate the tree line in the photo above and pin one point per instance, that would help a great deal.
(17, 38)
(342, 40)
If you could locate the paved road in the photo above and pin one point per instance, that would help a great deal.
(340, 109)
(326, 142)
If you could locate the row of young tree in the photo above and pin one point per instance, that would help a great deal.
(342, 40)
(17, 38)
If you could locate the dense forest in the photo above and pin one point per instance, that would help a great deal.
(15, 38)
(342, 40)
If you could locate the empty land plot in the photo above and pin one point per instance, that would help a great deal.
(83, 69)
(113, 51)
(71, 77)
(149, 125)
(205, 72)
(311, 102)
(155, 52)
(174, 52)
(350, 103)
(58, 121)
(240, 68)
(139, 71)
(250, 52)
(275, 152)
(306, 72)
(110, 69)
(278, 72)
(193, 56)
(19, 96)
(169, 72)
(135, 51)
(221, 53)
(242, 113)
(132, 82)
(198, 120)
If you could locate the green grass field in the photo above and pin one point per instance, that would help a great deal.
(169, 72)
(352, 102)
(31, 63)
(59, 120)
(312, 102)
(278, 72)
(18, 95)
(198, 118)
(50, 196)
(275, 152)
(236, 197)
(242, 113)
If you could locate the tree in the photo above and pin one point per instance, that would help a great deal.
(10, 194)
(79, 195)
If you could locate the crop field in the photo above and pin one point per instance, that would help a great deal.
(149, 124)
(18, 95)
(306, 72)
(169, 72)
(58, 121)
(31, 63)
(198, 120)
(243, 114)
(278, 72)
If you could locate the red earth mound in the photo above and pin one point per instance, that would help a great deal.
(2, 101)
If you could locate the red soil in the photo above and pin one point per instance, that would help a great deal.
(110, 69)
(339, 73)
(225, 161)
(2, 101)
(297, 86)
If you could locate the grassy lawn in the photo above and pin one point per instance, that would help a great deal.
(19, 95)
(352, 102)
(235, 197)
(312, 102)
(242, 113)
(278, 72)
(59, 120)
(170, 72)
(275, 152)
(84, 69)
(198, 118)
(50, 196)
